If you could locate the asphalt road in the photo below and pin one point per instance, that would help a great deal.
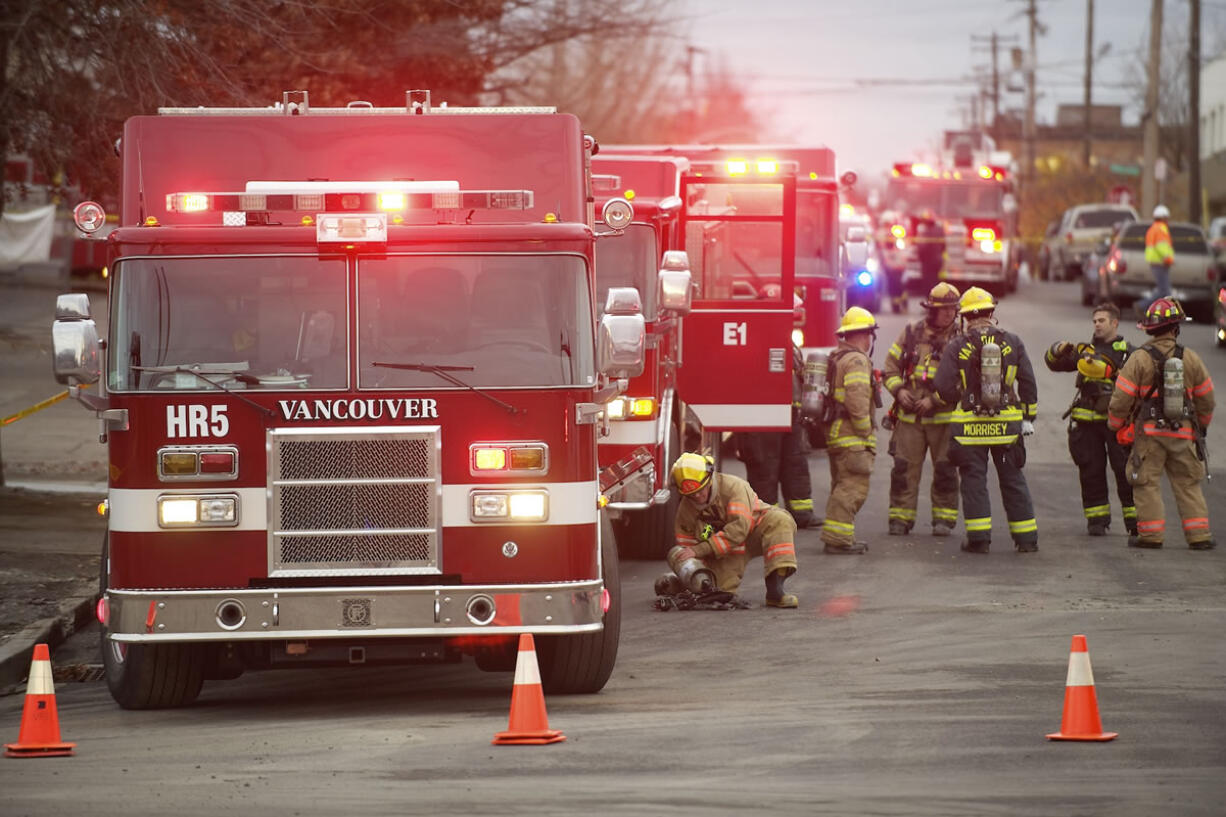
(915, 680)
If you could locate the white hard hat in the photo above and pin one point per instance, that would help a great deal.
(1161, 212)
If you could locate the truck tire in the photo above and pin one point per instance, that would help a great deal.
(648, 535)
(149, 676)
(582, 664)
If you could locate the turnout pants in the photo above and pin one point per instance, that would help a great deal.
(972, 463)
(774, 458)
(850, 469)
(1153, 456)
(1094, 448)
(909, 445)
(773, 539)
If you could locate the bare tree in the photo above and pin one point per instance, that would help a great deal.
(75, 69)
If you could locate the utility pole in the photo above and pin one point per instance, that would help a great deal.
(1028, 128)
(1149, 117)
(1194, 191)
(1087, 153)
(994, 42)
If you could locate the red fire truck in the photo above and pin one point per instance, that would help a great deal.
(815, 226)
(351, 391)
(646, 422)
(977, 209)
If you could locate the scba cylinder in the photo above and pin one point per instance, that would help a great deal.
(694, 575)
(814, 383)
(1172, 390)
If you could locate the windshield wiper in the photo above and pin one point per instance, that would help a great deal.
(240, 376)
(445, 373)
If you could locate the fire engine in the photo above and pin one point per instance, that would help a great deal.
(351, 391)
(814, 226)
(971, 196)
(645, 429)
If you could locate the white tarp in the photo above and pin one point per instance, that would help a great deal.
(26, 237)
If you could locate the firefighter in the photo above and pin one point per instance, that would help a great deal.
(930, 240)
(1159, 253)
(851, 444)
(775, 459)
(986, 372)
(1163, 404)
(920, 419)
(1091, 443)
(722, 524)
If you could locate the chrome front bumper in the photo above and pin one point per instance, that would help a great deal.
(148, 616)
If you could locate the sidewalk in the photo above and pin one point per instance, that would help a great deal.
(55, 474)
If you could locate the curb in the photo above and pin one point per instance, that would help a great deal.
(17, 653)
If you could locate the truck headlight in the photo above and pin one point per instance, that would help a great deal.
(184, 511)
(509, 506)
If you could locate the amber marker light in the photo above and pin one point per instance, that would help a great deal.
(489, 459)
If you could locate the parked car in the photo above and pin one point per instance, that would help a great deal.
(1217, 242)
(1093, 271)
(1082, 228)
(864, 281)
(1194, 278)
(1219, 312)
(1045, 248)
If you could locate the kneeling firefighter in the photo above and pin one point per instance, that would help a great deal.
(986, 372)
(721, 524)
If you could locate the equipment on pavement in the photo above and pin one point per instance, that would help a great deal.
(40, 721)
(1080, 720)
(695, 576)
(529, 722)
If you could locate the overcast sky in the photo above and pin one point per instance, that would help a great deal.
(800, 58)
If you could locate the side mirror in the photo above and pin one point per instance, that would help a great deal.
(622, 336)
(1008, 203)
(856, 234)
(617, 214)
(74, 340)
(674, 287)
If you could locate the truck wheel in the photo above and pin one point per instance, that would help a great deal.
(149, 676)
(571, 664)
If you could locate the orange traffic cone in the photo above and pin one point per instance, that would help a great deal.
(1081, 721)
(529, 721)
(40, 725)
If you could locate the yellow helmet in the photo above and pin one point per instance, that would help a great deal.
(943, 294)
(856, 319)
(976, 300)
(691, 472)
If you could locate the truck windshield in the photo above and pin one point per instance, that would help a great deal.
(946, 199)
(244, 323)
(815, 240)
(628, 260)
(516, 320)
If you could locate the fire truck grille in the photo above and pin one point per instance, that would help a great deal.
(353, 501)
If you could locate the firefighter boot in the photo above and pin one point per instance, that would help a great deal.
(854, 547)
(1204, 544)
(775, 597)
(1097, 528)
(975, 547)
(942, 528)
(899, 528)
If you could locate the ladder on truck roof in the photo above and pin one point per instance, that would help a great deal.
(296, 103)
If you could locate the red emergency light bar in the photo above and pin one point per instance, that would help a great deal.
(920, 170)
(763, 166)
(385, 201)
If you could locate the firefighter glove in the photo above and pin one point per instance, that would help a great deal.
(1027, 428)
(1127, 435)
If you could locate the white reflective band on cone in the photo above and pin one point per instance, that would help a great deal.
(526, 670)
(1079, 673)
(40, 679)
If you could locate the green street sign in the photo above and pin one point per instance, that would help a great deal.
(1126, 170)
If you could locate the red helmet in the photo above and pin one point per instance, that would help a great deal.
(1162, 314)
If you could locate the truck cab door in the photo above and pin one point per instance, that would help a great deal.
(736, 371)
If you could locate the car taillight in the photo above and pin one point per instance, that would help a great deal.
(1210, 273)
